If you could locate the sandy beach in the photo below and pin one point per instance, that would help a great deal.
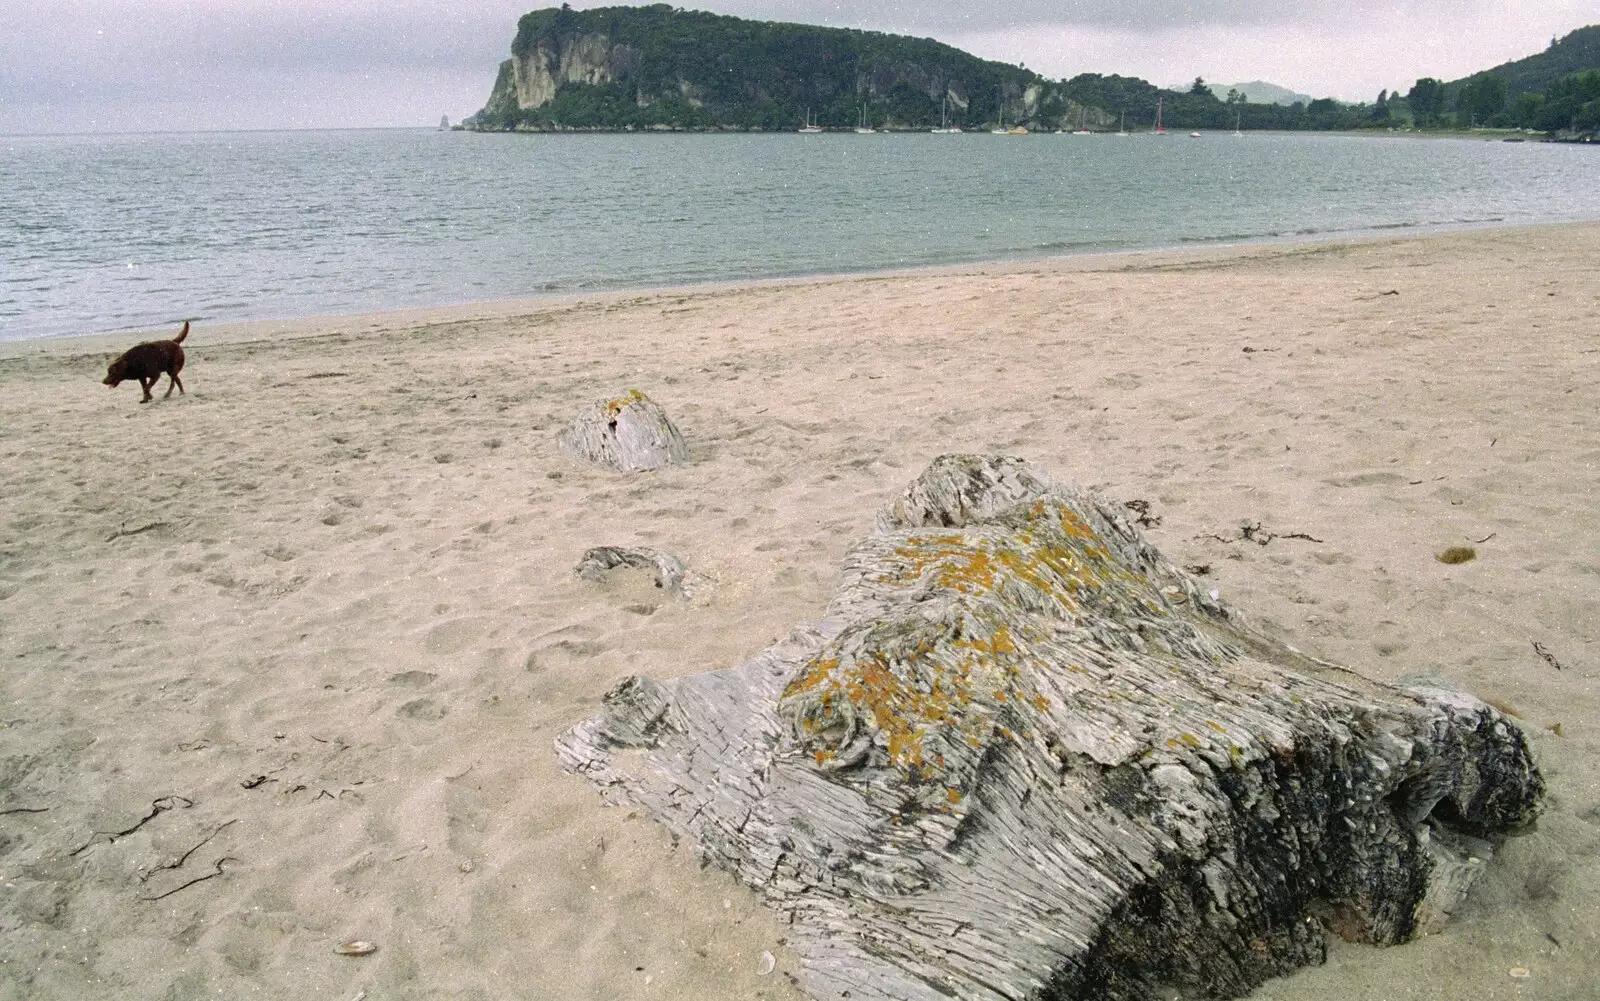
(283, 658)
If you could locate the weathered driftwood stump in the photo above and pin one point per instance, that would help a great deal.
(1024, 756)
(627, 433)
(670, 571)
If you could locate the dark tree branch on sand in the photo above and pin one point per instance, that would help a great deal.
(181, 859)
(198, 879)
(157, 807)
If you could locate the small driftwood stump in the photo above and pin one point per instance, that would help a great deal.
(629, 433)
(1025, 756)
(670, 571)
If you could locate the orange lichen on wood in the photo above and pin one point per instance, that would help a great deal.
(928, 695)
(1057, 553)
(627, 399)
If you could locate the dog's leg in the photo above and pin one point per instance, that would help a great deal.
(175, 382)
(145, 385)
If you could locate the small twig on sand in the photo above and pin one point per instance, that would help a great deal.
(121, 532)
(1251, 531)
(1486, 538)
(25, 809)
(181, 859)
(197, 879)
(1142, 508)
(157, 807)
(1549, 658)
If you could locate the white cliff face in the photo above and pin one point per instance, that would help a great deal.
(591, 59)
(1031, 98)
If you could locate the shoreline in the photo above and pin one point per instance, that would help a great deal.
(238, 331)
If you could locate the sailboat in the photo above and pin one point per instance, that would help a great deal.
(945, 129)
(1236, 124)
(1081, 130)
(864, 129)
(1002, 130)
(1159, 130)
(810, 127)
(1122, 130)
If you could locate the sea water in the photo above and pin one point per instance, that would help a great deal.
(115, 232)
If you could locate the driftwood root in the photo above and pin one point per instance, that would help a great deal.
(671, 574)
(1025, 756)
(627, 433)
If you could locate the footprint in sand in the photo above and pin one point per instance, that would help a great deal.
(422, 709)
(565, 651)
(1375, 479)
(456, 635)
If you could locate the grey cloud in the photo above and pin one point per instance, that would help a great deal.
(361, 55)
(150, 49)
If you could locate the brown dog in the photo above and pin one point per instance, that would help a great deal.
(146, 362)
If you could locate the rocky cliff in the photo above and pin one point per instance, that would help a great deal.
(532, 79)
(660, 67)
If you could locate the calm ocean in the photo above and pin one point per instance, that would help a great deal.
(101, 233)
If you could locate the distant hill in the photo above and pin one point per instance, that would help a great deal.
(1573, 53)
(665, 68)
(661, 67)
(1261, 92)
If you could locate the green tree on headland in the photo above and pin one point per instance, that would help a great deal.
(1571, 104)
(1480, 101)
(1427, 101)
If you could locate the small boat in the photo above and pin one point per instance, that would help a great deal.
(864, 129)
(810, 127)
(945, 128)
(1194, 135)
(1081, 130)
(444, 122)
(1122, 130)
(1236, 125)
(1002, 130)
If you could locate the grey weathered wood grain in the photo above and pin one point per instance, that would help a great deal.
(1025, 756)
(627, 433)
(670, 572)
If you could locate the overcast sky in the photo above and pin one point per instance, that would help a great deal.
(145, 65)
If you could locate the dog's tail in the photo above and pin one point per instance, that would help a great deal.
(182, 333)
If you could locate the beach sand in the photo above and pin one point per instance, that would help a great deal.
(311, 628)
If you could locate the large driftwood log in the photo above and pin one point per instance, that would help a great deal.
(1025, 756)
(627, 433)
